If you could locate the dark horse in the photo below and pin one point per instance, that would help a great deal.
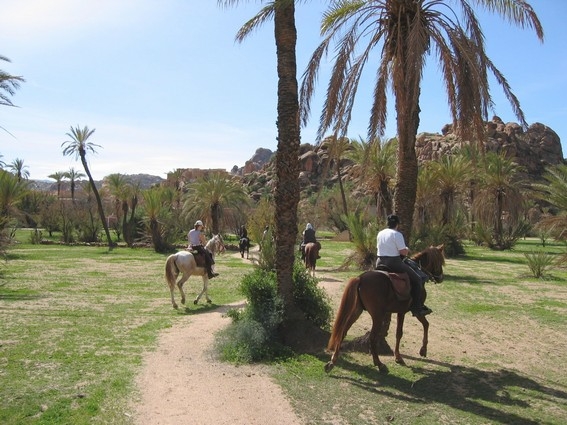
(244, 246)
(373, 291)
(311, 255)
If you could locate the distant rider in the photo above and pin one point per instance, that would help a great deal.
(308, 237)
(197, 241)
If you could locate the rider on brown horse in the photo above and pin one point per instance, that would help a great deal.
(197, 242)
(391, 248)
(308, 236)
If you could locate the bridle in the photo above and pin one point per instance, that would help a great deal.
(432, 277)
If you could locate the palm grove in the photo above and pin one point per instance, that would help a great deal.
(481, 195)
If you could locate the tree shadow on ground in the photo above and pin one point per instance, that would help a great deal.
(463, 388)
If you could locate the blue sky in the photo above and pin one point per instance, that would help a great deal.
(166, 86)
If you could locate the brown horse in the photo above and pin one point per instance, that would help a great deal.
(372, 291)
(311, 255)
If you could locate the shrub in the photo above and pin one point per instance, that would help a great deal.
(311, 299)
(253, 335)
(538, 262)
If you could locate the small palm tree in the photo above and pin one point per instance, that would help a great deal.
(451, 175)
(499, 202)
(79, 146)
(119, 187)
(19, 169)
(337, 150)
(58, 177)
(157, 210)
(74, 176)
(375, 169)
(210, 195)
(554, 191)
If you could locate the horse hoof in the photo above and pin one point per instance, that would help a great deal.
(329, 366)
(195, 302)
(175, 306)
(423, 352)
(182, 301)
(383, 368)
(400, 361)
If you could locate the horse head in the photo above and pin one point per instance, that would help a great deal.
(431, 260)
(219, 243)
(216, 244)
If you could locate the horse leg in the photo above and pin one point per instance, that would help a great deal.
(399, 334)
(377, 320)
(180, 286)
(425, 323)
(205, 290)
(171, 289)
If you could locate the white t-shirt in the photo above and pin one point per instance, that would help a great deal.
(194, 237)
(389, 242)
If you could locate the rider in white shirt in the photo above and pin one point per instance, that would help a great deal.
(391, 247)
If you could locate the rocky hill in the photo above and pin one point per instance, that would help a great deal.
(534, 149)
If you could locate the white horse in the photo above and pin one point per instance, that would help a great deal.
(184, 262)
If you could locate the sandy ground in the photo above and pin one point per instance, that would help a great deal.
(182, 382)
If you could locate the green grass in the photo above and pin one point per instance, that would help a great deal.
(496, 353)
(76, 322)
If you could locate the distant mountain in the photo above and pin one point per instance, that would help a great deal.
(145, 180)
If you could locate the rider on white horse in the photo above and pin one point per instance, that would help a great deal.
(197, 242)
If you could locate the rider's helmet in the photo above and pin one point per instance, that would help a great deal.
(198, 223)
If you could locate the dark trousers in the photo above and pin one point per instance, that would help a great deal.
(208, 257)
(396, 265)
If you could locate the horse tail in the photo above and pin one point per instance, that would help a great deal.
(171, 269)
(348, 309)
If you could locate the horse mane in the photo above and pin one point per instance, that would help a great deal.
(430, 257)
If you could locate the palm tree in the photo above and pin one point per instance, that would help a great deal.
(210, 195)
(79, 146)
(58, 177)
(499, 199)
(375, 169)
(73, 176)
(156, 211)
(451, 175)
(554, 192)
(120, 189)
(287, 156)
(19, 169)
(8, 85)
(337, 149)
(407, 33)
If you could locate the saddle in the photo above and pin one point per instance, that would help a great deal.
(400, 283)
(199, 258)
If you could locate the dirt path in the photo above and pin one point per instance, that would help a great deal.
(182, 383)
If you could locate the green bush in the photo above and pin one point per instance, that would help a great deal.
(538, 262)
(253, 335)
(311, 299)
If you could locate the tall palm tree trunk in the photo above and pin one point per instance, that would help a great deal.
(287, 164)
(341, 187)
(98, 200)
(406, 175)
